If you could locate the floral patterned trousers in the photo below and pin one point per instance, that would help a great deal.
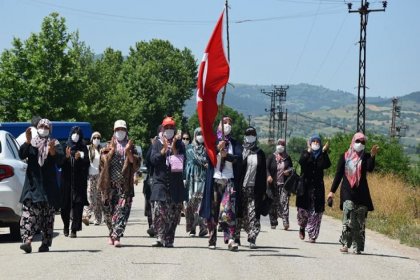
(117, 211)
(37, 216)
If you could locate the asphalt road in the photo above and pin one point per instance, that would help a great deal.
(280, 255)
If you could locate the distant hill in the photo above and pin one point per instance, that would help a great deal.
(318, 109)
(248, 99)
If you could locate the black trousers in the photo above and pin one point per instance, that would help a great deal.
(75, 213)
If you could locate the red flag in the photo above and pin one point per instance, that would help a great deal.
(213, 74)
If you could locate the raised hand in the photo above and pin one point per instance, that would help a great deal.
(326, 147)
(28, 134)
(129, 146)
(51, 148)
(68, 152)
(374, 151)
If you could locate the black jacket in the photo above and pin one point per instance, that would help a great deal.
(74, 179)
(167, 185)
(41, 183)
(360, 194)
(260, 181)
(313, 173)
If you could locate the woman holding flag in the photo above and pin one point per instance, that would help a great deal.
(222, 185)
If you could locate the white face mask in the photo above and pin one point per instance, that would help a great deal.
(279, 149)
(227, 128)
(358, 147)
(250, 138)
(43, 132)
(199, 138)
(120, 135)
(75, 137)
(96, 142)
(186, 142)
(169, 133)
(315, 146)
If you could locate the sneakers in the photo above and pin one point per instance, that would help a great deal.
(43, 248)
(85, 220)
(302, 233)
(73, 234)
(26, 247)
(117, 244)
(232, 246)
(212, 247)
(192, 233)
(96, 223)
(110, 241)
(203, 232)
(169, 245)
(286, 226)
(157, 244)
(151, 232)
(66, 232)
(273, 227)
(311, 240)
(252, 246)
(344, 249)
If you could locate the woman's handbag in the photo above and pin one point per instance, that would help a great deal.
(295, 184)
(177, 163)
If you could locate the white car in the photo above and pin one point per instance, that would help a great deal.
(12, 178)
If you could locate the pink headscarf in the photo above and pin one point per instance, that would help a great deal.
(353, 166)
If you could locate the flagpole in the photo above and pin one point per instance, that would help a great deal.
(228, 54)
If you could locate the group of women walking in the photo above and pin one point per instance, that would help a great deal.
(229, 196)
(59, 178)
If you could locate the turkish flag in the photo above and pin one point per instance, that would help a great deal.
(213, 74)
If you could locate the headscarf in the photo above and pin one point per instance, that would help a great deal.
(250, 148)
(283, 155)
(199, 148)
(226, 138)
(121, 144)
(353, 165)
(281, 163)
(92, 147)
(41, 143)
(315, 154)
(75, 146)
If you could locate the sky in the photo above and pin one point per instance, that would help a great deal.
(271, 42)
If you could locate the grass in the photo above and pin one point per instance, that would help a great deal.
(397, 208)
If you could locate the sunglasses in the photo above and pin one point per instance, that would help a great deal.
(96, 137)
(360, 141)
(185, 138)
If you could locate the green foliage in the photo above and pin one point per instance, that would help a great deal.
(156, 80)
(45, 75)
(390, 159)
(54, 75)
(238, 127)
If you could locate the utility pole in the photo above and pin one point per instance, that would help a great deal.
(278, 118)
(272, 111)
(361, 90)
(249, 120)
(396, 130)
(281, 93)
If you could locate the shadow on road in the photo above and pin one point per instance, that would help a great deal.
(274, 247)
(74, 251)
(324, 243)
(155, 263)
(280, 255)
(385, 256)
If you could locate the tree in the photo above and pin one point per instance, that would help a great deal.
(238, 127)
(45, 75)
(156, 80)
